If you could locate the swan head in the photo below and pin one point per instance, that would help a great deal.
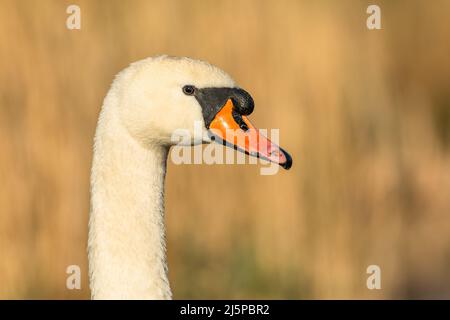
(160, 96)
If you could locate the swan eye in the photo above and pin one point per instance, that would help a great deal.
(189, 90)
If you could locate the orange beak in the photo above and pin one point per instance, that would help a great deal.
(237, 131)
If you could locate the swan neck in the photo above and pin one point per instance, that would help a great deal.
(127, 255)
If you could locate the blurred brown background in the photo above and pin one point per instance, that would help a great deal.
(365, 115)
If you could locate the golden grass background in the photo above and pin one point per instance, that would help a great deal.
(365, 115)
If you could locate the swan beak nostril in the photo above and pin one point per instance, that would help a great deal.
(235, 130)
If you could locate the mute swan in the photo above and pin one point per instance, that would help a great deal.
(145, 104)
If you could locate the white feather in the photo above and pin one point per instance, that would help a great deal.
(145, 104)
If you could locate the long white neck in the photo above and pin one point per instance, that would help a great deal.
(127, 258)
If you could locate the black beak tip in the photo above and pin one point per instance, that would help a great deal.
(288, 164)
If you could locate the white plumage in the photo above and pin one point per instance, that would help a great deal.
(145, 104)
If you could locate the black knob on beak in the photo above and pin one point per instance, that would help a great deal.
(213, 99)
(242, 101)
